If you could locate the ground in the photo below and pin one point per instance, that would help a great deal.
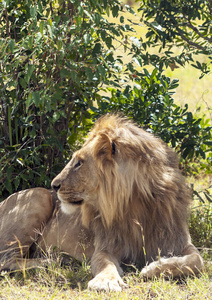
(70, 282)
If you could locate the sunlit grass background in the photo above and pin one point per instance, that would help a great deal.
(192, 91)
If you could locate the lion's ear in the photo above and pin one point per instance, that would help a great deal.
(104, 147)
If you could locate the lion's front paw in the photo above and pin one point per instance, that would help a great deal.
(152, 270)
(105, 283)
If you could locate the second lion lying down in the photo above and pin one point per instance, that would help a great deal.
(123, 192)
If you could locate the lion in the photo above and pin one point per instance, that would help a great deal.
(122, 196)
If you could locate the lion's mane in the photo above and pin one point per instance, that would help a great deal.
(142, 197)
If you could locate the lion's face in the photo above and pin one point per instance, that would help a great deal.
(77, 183)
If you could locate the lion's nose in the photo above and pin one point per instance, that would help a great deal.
(56, 187)
(56, 184)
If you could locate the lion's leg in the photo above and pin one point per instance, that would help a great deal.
(190, 263)
(22, 216)
(20, 264)
(107, 272)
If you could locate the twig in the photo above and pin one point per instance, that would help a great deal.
(7, 22)
(193, 44)
(198, 32)
(210, 6)
(209, 109)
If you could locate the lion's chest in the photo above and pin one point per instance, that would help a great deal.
(121, 240)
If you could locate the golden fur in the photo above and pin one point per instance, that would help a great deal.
(20, 215)
(127, 194)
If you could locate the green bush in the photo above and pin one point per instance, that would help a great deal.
(53, 58)
(182, 24)
(151, 105)
(201, 226)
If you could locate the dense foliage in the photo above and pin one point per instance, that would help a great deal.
(182, 24)
(54, 56)
(151, 105)
(55, 59)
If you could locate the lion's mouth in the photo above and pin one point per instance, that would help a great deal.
(72, 201)
(79, 202)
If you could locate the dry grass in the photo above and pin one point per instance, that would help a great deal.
(56, 282)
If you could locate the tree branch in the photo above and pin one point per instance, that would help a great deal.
(192, 44)
(198, 32)
(210, 6)
(7, 23)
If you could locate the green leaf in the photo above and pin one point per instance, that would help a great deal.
(59, 44)
(8, 185)
(23, 83)
(129, 9)
(115, 11)
(64, 73)
(32, 133)
(89, 73)
(29, 72)
(36, 98)
(50, 31)
(30, 41)
(29, 101)
(56, 116)
(87, 38)
(24, 177)
(73, 75)
(97, 49)
(10, 169)
(97, 18)
(33, 11)
(121, 19)
(154, 72)
(17, 182)
(40, 8)
(11, 45)
(108, 42)
(41, 26)
(137, 61)
(208, 143)
(103, 34)
(101, 71)
(157, 26)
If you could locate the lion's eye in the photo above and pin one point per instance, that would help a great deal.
(113, 148)
(78, 164)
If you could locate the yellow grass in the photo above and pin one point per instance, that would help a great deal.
(192, 90)
(56, 288)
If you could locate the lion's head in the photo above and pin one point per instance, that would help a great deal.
(118, 166)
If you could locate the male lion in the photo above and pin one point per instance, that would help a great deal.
(124, 193)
